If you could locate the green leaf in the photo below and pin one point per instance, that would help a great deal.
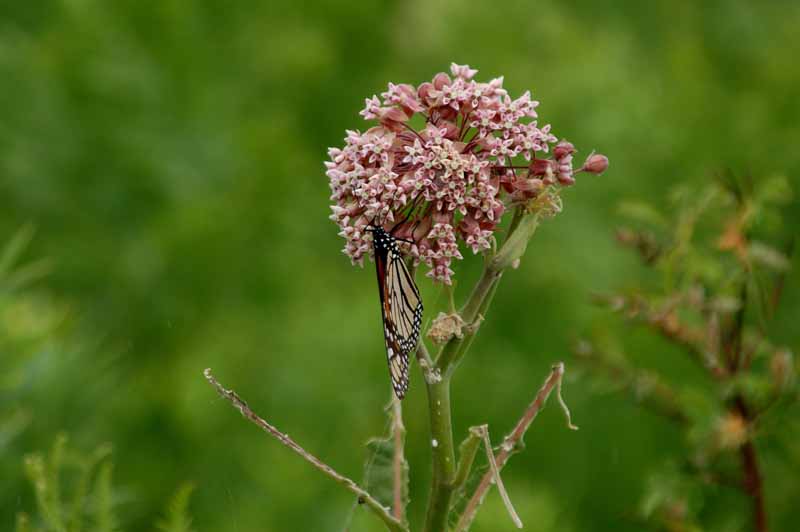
(70, 472)
(41, 479)
(81, 489)
(104, 518)
(14, 249)
(177, 517)
(379, 469)
(52, 474)
(671, 498)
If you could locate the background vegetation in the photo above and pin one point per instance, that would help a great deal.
(169, 156)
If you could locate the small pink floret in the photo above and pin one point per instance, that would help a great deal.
(478, 152)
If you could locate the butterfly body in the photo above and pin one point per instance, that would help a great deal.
(401, 307)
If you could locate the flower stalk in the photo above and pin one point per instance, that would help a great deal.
(398, 460)
(446, 477)
(436, 190)
(479, 154)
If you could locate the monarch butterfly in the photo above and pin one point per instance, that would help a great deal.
(401, 306)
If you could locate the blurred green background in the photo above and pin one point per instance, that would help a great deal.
(169, 154)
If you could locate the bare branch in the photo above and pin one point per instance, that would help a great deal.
(363, 496)
(563, 404)
(665, 321)
(509, 444)
(483, 433)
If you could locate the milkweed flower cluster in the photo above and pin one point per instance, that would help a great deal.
(443, 163)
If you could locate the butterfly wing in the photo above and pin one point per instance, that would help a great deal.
(401, 309)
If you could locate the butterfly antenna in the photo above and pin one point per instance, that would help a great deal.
(414, 227)
(414, 205)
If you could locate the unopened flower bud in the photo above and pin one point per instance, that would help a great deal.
(540, 167)
(563, 149)
(392, 116)
(507, 182)
(566, 179)
(462, 71)
(596, 163)
(440, 80)
(447, 113)
(424, 91)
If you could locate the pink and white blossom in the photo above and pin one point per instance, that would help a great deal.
(451, 180)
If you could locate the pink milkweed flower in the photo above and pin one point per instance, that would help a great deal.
(451, 180)
(596, 163)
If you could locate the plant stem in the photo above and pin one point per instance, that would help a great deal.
(516, 243)
(522, 228)
(753, 485)
(398, 462)
(752, 482)
(751, 472)
(442, 483)
(509, 444)
(478, 301)
(466, 457)
(496, 478)
(363, 496)
(444, 468)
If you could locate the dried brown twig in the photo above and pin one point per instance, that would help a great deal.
(363, 496)
(512, 440)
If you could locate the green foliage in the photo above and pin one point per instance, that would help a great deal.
(62, 484)
(717, 290)
(74, 492)
(170, 155)
(379, 471)
(105, 518)
(176, 518)
(462, 495)
(671, 500)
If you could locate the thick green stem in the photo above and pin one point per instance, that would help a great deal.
(477, 303)
(445, 480)
(514, 247)
(443, 456)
